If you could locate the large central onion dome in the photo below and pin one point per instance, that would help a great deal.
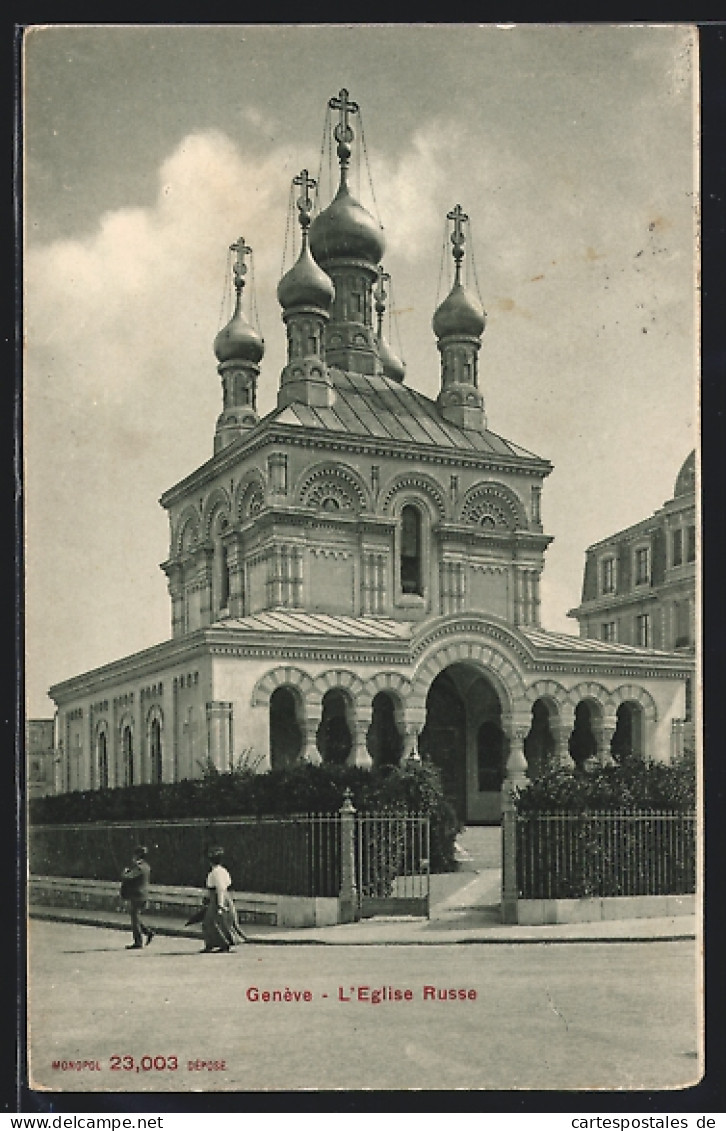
(305, 284)
(345, 230)
(459, 313)
(238, 340)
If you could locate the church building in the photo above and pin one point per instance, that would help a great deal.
(355, 577)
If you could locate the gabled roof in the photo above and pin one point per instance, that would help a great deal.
(382, 409)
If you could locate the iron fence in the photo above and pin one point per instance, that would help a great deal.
(571, 855)
(392, 863)
(277, 855)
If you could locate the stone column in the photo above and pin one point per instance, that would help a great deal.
(516, 728)
(410, 722)
(561, 730)
(219, 734)
(309, 726)
(604, 735)
(359, 755)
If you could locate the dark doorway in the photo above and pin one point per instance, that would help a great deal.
(490, 757)
(626, 739)
(443, 739)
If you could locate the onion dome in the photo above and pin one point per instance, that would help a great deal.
(238, 340)
(459, 313)
(346, 230)
(305, 284)
(393, 367)
(686, 479)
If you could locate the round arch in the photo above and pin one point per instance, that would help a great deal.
(187, 530)
(550, 691)
(498, 669)
(281, 677)
(346, 479)
(593, 692)
(414, 487)
(217, 500)
(630, 693)
(249, 495)
(344, 680)
(503, 502)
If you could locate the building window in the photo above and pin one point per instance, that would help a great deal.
(642, 630)
(155, 751)
(102, 761)
(127, 744)
(607, 630)
(411, 572)
(683, 624)
(690, 543)
(608, 575)
(677, 547)
(642, 565)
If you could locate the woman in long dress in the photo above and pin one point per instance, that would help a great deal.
(220, 928)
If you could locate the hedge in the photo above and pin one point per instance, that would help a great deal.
(413, 787)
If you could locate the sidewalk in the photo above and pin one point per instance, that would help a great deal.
(467, 925)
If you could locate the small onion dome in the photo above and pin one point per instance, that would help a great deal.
(238, 340)
(305, 284)
(393, 367)
(459, 313)
(345, 230)
(686, 479)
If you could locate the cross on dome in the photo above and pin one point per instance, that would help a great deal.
(304, 201)
(240, 267)
(459, 216)
(342, 133)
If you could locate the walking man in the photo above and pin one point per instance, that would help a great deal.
(135, 890)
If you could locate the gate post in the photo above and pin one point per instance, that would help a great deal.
(510, 891)
(348, 898)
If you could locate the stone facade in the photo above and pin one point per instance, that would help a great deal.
(639, 585)
(355, 577)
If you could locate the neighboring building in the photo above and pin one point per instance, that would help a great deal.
(356, 576)
(639, 585)
(40, 757)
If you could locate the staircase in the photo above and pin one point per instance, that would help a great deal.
(473, 893)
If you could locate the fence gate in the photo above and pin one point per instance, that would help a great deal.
(392, 865)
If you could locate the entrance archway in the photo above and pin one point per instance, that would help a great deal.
(464, 738)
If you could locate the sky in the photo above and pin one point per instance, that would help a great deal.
(149, 149)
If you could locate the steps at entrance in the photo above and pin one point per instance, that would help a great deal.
(479, 848)
(472, 894)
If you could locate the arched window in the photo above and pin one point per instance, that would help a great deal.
(102, 761)
(334, 739)
(127, 748)
(411, 565)
(220, 568)
(383, 741)
(582, 744)
(155, 751)
(285, 732)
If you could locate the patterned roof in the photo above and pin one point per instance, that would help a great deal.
(563, 642)
(383, 409)
(318, 624)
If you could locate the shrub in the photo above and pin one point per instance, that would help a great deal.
(634, 784)
(412, 787)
